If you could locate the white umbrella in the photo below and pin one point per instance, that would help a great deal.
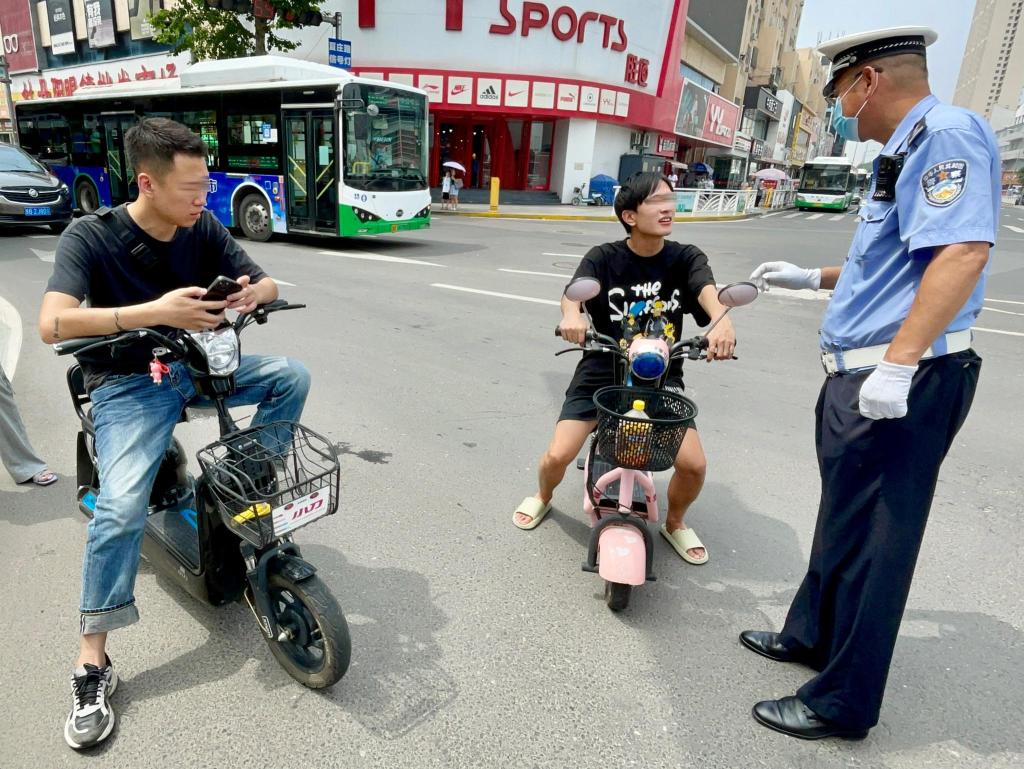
(456, 166)
(679, 166)
(771, 173)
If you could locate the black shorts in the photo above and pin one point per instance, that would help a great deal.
(579, 398)
(445, 195)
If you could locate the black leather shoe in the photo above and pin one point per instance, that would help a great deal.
(767, 644)
(790, 716)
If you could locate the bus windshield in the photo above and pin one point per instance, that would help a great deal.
(826, 179)
(385, 142)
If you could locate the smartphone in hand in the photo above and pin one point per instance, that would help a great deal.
(221, 289)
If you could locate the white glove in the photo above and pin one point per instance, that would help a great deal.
(884, 393)
(785, 275)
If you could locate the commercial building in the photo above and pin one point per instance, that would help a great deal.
(1011, 149)
(992, 73)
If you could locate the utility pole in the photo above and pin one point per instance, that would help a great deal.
(337, 24)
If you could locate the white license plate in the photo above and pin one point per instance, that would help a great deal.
(291, 516)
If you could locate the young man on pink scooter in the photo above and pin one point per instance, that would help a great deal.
(638, 275)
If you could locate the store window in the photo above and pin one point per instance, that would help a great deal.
(539, 169)
(699, 78)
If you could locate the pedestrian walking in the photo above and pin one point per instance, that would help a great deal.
(896, 345)
(16, 452)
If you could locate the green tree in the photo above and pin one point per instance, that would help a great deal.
(1020, 177)
(214, 33)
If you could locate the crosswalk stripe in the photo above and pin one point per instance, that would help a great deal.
(773, 213)
(837, 217)
(812, 217)
(790, 216)
(1019, 230)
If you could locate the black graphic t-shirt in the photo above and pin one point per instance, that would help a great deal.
(675, 277)
(92, 264)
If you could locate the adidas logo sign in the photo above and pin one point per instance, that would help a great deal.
(489, 94)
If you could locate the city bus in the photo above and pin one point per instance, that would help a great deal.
(826, 183)
(278, 161)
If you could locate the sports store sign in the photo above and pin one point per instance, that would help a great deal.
(593, 56)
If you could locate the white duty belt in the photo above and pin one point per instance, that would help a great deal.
(868, 357)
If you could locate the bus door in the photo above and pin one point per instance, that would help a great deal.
(311, 169)
(119, 171)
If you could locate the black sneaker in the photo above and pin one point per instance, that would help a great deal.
(91, 719)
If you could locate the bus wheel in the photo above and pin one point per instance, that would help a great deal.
(87, 196)
(254, 218)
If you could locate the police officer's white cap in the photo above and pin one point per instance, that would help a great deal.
(854, 50)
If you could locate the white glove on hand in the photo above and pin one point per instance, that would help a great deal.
(884, 393)
(785, 275)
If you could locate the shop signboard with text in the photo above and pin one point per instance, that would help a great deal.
(99, 20)
(62, 31)
(18, 39)
(706, 116)
(603, 57)
(59, 83)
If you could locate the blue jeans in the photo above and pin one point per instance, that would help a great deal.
(135, 422)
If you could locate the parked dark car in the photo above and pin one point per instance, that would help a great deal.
(29, 193)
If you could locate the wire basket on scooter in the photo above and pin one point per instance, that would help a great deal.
(269, 480)
(641, 444)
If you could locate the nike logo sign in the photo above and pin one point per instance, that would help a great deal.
(516, 93)
(456, 90)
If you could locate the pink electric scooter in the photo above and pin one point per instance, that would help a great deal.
(620, 497)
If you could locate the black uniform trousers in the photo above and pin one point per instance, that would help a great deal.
(877, 482)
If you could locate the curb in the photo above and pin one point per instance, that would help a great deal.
(10, 348)
(583, 217)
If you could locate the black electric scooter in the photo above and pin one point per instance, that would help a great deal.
(227, 534)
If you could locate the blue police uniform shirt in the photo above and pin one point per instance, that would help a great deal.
(948, 192)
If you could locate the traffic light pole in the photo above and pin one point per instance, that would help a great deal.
(337, 24)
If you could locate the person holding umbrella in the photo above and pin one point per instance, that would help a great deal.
(456, 183)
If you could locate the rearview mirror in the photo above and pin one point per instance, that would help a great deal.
(738, 294)
(583, 289)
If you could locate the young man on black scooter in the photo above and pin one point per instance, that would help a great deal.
(644, 268)
(143, 265)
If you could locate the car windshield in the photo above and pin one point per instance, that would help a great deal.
(15, 160)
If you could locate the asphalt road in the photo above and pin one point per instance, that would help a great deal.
(479, 645)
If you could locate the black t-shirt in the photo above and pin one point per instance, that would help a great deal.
(675, 276)
(92, 264)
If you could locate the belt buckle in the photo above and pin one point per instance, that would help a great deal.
(828, 362)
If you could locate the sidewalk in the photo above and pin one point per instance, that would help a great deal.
(566, 213)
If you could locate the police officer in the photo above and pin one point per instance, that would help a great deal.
(896, 345)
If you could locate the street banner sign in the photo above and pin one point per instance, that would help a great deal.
(339, 53)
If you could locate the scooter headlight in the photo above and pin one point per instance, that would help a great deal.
(223, 353)
(648, 365)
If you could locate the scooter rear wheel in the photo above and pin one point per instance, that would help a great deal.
(616, 595)
(317, 647)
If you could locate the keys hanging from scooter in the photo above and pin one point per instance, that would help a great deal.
(157, 368)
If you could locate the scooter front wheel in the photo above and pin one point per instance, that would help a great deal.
(313, 644)
(616, 595)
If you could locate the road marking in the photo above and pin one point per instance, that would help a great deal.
(498, 294)
(574, 256)
(280, 282)
(46, 256)
(997, 331)
(371, 257)
(774, 213)
(1016, 229)
(40, 236)
(1003, 312)
(790, 216)
(1003, 301)
(812, 217)
(543, 274)
(837, 217)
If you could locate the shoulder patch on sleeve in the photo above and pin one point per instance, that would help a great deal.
(945, 182)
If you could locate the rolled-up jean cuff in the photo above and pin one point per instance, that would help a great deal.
(109, 619)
